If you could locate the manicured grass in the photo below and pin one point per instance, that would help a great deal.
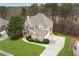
(66, 51)
(20, 48)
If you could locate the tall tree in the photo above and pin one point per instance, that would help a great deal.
(24, 12)
(14, 29)
(3, 11)
(66, 9)
(33, 9)
(51, 8)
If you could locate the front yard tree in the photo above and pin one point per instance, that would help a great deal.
(33, 9)
(14, 29)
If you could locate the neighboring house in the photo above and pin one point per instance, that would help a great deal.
(3, 24)
(38, 26)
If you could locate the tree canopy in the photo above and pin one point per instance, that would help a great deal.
(14, 29)
(3, 11)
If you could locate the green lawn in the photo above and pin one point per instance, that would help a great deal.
(1, 54)
(20, 48)
(66, 51)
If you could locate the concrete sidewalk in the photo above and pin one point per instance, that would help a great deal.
(56, 44)
(25, 40)
(5, 53)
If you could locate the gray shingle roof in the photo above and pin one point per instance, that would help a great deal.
(41, 19)
(3, 22)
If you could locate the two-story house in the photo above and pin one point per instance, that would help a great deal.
(38, 26)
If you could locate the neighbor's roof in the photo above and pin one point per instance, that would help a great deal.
(41, 19)
(75, 11)
(3, 22)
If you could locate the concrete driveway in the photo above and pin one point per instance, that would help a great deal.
(55, 45)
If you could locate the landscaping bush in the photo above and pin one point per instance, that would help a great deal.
(33, 40)
(30, 39)
(14, 38)
(55, 33)
(46, 41)
(36, 40)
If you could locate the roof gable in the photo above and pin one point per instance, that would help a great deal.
(40, 19)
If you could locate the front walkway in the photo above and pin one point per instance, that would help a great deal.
(54, 47)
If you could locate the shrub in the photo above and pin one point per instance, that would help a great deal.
(13, 38)
(30, 39)
(36, 40)
(46, 41)
(55, 33)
